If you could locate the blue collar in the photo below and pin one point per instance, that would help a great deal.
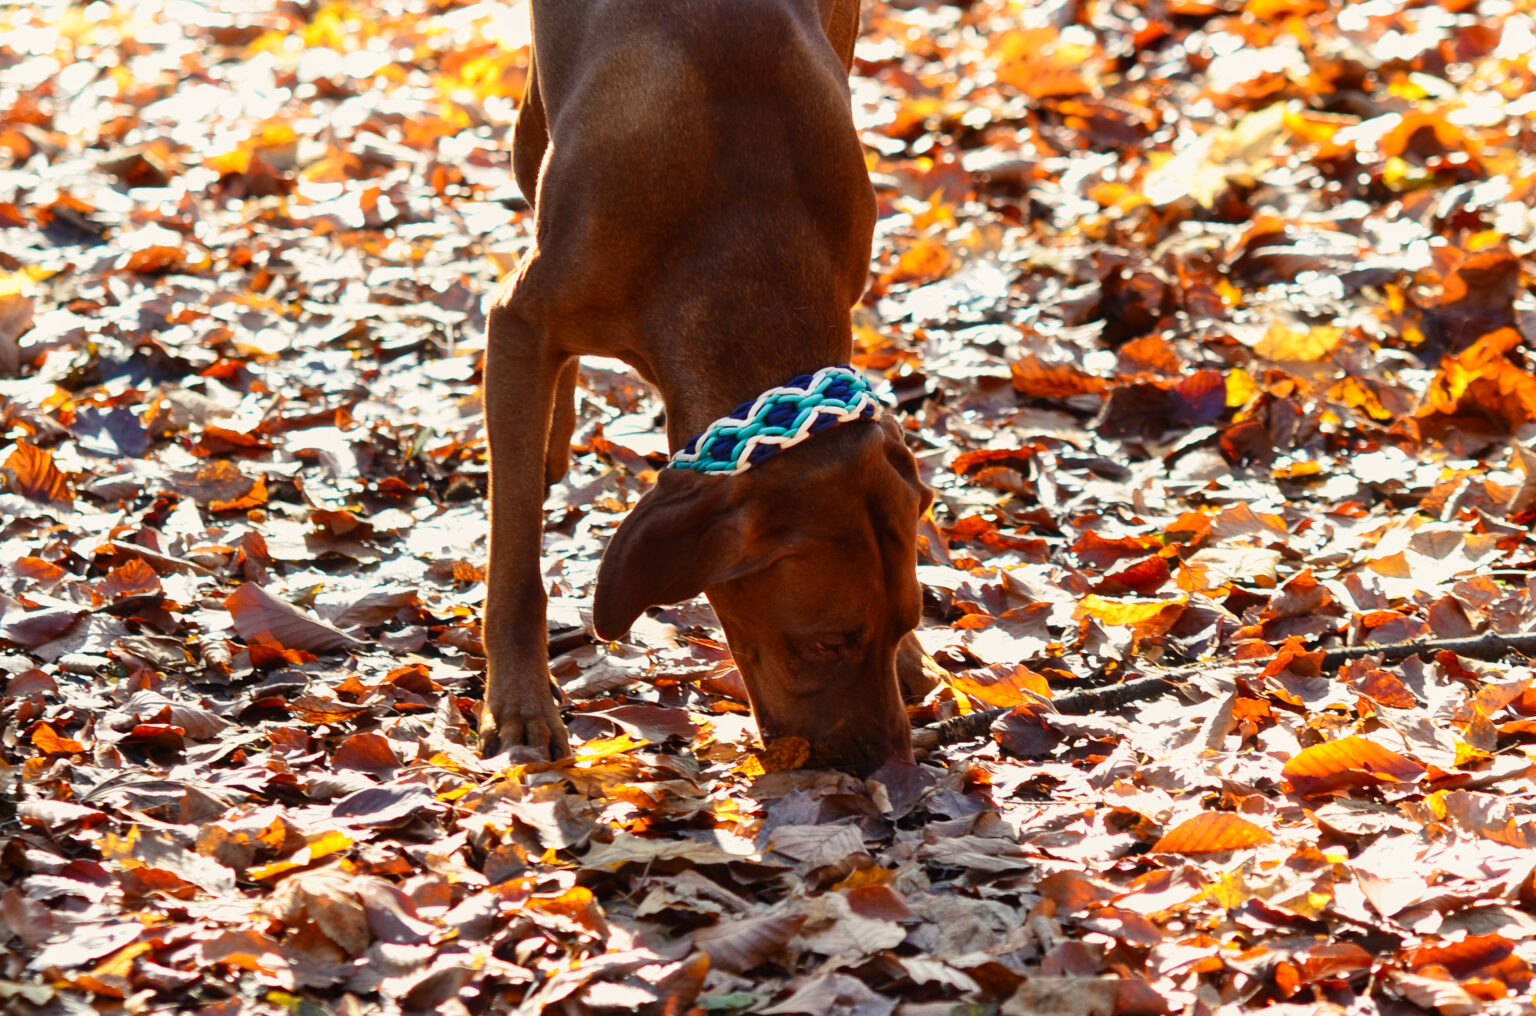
(777, 419)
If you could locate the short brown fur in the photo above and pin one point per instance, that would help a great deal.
(702, 211)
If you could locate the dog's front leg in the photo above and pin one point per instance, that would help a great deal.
(521, 372)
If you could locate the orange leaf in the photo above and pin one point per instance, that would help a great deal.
(50, 742)
(367, 752)
(1347, 762)
(1147, 617)
(30, 472)
(1423, 134)
(1281, 344)
(1099, 551)
(153, 260)
(1039, 64)
(1009, 686)
(464, 571)
(1039, 380)
(574, 910)
(37, 569)
(1146, 576)
(780, 755)
(1151, 353)
(924, 261)
(1478, 955)
(1212, 832)
(1386, 689)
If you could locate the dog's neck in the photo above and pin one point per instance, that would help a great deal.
(698, 393)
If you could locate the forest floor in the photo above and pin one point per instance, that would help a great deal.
(1211, 324)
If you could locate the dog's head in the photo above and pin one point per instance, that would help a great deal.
(810, 561)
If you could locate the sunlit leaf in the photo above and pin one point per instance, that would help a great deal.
(1346, 762)
(1212, 832)
(30, 471)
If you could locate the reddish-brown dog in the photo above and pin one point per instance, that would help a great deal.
(702, 211)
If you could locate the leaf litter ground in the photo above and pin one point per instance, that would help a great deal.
(1212, 325)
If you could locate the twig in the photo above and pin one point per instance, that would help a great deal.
(1073, 703)
(1480, 647)
(1088, 700)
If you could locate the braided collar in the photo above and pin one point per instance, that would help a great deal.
(777, 419)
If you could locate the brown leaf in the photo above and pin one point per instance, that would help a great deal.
(261, 617)
(1033, 378)
(1025, 732)
(314, 710)
(370, 753)
(380, 806)
(133, 578)
(39, 627)
(650, 723)
(1064, 996)
(219, 485)
(86, 944)
(325, 897)
(1445, 997)
(736, 945)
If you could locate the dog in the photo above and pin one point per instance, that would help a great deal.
(702, 211)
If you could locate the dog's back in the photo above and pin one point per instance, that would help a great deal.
(695, 171)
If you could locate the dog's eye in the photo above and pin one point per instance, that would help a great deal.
(831, 645)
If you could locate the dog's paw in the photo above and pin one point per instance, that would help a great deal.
(535, 728)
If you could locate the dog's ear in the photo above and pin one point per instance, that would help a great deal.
(686, 534)
(902, 460)
(840, 19)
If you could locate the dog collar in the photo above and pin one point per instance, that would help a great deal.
(777, 419)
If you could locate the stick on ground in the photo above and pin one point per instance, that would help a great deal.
(1079, 703)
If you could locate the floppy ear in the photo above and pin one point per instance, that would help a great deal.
(840, 19)
(903, 462)
(684, 535)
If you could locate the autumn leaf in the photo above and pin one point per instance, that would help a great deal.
(1002, 686)
(922, 262)
(1038, 63)
(48, 741)
(1310, 345)
(30, 471)
(16, 317)
(259, 615)
(132, 578)
(1147, 617)
(1036, 379)
(780, 755)
(1212, 832)
(738, 945)
(1347, 762)
(221, 486)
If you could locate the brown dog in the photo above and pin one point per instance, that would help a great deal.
(703, 212)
